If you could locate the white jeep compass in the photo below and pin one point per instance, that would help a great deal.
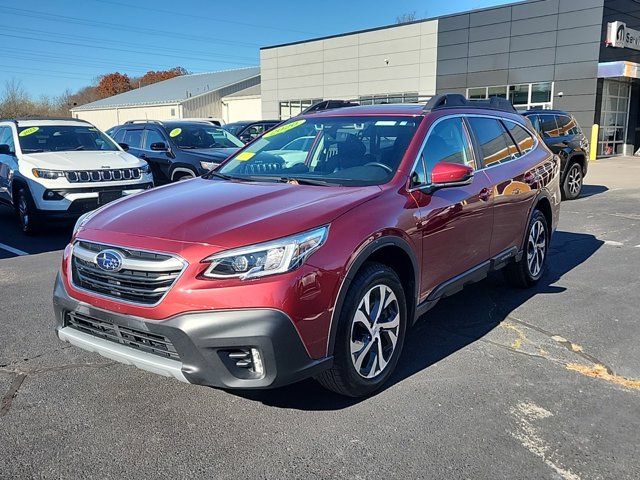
(62, 169)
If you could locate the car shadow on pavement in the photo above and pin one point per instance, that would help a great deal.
(53, 236)
(451, 325)
(591, 190)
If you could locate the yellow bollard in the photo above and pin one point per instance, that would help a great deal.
(593, 147)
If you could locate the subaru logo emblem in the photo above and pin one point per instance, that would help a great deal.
(109, 260)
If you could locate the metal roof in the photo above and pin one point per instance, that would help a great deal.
(247, 92)
(174, 90)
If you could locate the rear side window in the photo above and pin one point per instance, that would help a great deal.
(153, 136)
(6, 138)
(133, 138)
(447, 142)
(567, 125)
(524, 140)
(495, 143)
(548, 125)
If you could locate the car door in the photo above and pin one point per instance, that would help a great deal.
(8, 163)
(159, 160)
(511, 164)
(455, 222)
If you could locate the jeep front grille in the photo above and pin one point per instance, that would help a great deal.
(144, 277)
(131, 337)
(112, 175)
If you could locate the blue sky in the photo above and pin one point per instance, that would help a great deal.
(52, 45)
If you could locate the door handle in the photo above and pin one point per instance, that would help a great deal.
(485, 194)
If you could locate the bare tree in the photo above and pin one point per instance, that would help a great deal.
(406, 18)
(15, 101)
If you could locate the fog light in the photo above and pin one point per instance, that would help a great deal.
(258, 366)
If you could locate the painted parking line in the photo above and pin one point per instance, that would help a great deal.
(9, 249)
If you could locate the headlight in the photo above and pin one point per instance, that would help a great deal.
(144, 169)
(47, 174)
(209, 165)
(268, 258)
(81, 221)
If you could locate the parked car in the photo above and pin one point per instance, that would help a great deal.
(562, 134)
(262, 272)
(176, 150)
(249, 130)
(58, 169)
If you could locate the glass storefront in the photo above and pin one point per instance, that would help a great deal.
(614, 117)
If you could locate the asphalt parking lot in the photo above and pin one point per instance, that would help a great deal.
(493, 383)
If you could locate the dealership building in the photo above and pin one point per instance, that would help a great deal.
(582, 56)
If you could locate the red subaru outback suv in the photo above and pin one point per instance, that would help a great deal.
(312, 251)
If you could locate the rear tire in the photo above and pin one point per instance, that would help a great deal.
(182, 175)
(572, 185)
(529, 270)
(370, 333)
(25, 208)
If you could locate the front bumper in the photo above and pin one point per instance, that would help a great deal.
(202, 341)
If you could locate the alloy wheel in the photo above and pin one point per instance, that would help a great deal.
(23, 211)
(536, 248)
(374, 331)
(574, 179)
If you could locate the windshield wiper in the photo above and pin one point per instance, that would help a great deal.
(306, 181)
(32, 150)
(79, 147)
(213, 173)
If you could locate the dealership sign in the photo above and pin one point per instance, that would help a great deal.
(621, 36)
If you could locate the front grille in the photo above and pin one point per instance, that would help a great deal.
(144, 277)
(131, 337)
(84, 176)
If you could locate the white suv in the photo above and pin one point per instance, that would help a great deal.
(62, 169)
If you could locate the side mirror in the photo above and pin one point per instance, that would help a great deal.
(159, 147)
(445, 174)
(246, 138)
(124, 146)
(6, 150)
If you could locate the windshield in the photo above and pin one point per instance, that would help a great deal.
(63, 138)
(334, 150)
(202, 135)
(234, 128)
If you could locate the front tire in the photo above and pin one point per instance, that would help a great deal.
(25, 208)
(529, 270)
(572, 185)
(370, 333)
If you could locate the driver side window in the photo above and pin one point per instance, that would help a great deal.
(446, 142)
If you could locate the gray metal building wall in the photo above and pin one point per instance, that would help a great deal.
(209, 104)
(536, 41)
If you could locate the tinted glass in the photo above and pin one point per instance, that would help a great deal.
(548, 125)
(337, 150)
(153, 136)
(524, 140)
(492, 138)
(118, 136)
(234, 128)
(447, 142)
(6, 137)
(202, 136)
(133, 138)
(63, 138)
(567, 125)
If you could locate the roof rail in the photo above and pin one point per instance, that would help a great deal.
(329, 105)
(40, 117)
(129, 122)
(457, 100)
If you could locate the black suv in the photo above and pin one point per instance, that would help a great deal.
(248, 130)
(562, 134)
(176, 150)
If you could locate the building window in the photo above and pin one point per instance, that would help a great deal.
(173, 112)
(614, 117)
(523, 96)
(291, 108)
(407, 97)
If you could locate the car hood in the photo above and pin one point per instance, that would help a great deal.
(227, 213)
(216, 154)
(82, 160)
